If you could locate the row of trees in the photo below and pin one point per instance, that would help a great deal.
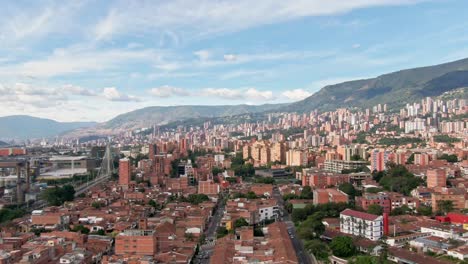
(56, 196)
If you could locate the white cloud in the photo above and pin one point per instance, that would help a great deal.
(77, 90)
(112, 94)
(296, 94)
(356, 46)
(245, 73)
(75, 60)
(168, 91)
(230, 57)
(106, 26)
(205, 17)
(203, 55)
(239, 94)
(255, 94)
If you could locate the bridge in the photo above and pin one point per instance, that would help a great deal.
(105, 172)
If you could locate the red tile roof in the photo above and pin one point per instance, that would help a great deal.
(357, 214)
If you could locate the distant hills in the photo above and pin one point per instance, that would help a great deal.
(161, 115)
(26, 127)
(448, 80)
(395, 89)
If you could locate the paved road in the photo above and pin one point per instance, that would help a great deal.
(302, 255)
(206, 250)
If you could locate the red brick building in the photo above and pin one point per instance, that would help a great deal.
(125, 173)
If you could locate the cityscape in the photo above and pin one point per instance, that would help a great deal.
(358, 170)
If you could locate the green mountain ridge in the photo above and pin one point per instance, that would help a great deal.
(395, 89)
(27, 127)
(162, 115)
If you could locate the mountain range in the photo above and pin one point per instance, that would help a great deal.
(25, 127)
(394, 89)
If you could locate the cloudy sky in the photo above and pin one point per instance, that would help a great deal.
(92, 60)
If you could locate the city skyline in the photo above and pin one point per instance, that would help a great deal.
(70, 61)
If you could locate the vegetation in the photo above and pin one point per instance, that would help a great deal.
(327, 210)
(399, 141)
(312, 227)
(349, 189)
(444, 206)
(194, 198)
(56, 196)
(361, 138)
(240, 222)
(373, 190)
(450, 158)
(343, 246)
(241, 168)
(397, 179)
(80, 228)
(221, 232)
(424, 210)
(446, 139)
(318, 248)
(8, 214)
(375, 209)
(266, 180)
(403, 210)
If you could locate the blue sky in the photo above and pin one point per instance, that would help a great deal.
(92, 60)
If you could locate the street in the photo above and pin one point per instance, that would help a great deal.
(206, 249)
(302, 255)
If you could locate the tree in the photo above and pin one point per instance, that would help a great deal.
(398, 179)
(317, 248)
(221, 232)
(100, 232)
(445, 206)
(240, 222)
(450, 158)
(343, 246)
(96, 205)
(307, 193)
(216, 170)
(424, 210)
(348, 188)
(404, 209)
(375, 209)
(56, 196)
(312, 227)
(81, 228)
(251, 195)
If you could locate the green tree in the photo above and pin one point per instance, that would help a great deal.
(251, 195)
(450, 158)
(81, 228)
(58, 195)
(375, 209)
(424, 210)
(240, 222)
(445, 206)
(317, 248)
(312, 227)
(307, 193)
(348, 188)
(343, 246)
(402, 210)
(221, 232)
(100, 232)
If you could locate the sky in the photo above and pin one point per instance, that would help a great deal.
(92, 60)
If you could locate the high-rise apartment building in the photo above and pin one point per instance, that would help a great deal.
(124, 171)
